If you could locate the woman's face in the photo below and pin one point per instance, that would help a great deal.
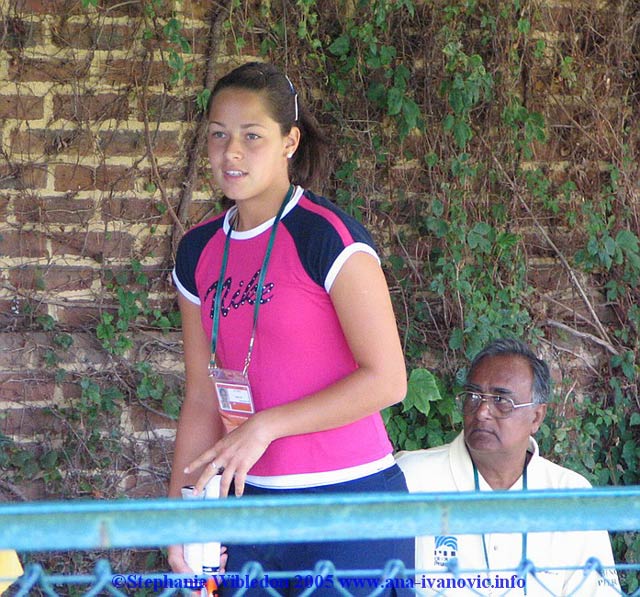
(247, 150)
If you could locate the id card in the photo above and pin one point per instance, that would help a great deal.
(233, 391)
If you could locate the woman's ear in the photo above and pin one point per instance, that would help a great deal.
(292, 140)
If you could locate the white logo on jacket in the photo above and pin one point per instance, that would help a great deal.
(446, 548)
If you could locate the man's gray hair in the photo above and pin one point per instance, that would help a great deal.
(541, 389)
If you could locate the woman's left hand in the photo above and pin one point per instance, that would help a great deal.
(234, 455)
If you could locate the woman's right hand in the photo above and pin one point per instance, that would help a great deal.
(175, 556)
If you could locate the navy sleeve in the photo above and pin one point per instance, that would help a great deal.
(317, 240)
(189, 251)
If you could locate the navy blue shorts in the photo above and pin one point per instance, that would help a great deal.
(346, 555)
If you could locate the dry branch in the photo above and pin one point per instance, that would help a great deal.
(213, 51)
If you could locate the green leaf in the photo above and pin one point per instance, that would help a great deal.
(627, 241)
(394, 101)
(431, 159)
(524, 26)
(462, 133)
(422, 389)
(340, 46)
(411, 112)
(479, 237)
(456, 339)
(630, 453)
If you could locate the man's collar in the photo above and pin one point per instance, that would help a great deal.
(462, 465)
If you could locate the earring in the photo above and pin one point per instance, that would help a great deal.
(290, 155)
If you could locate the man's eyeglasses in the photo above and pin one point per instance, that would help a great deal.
(499, 406)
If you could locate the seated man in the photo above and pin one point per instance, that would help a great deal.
(503, 405)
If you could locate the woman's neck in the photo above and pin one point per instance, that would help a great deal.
(251, 213)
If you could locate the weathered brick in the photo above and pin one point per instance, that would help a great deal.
(23, 244)
(63, 279)
(53, 278)
(88, 36)
(37, 142)
(156, 246)
(53, 210)
(100, 246)
(135, 72)
(590, 27)
(172, 176)
(56, 70)
(198, 38)
(115, 178)
(87, 354)
(147, 486)
(198, 70)
(17, 351)
(91, 107)
(22, 107)
(5, 201)
(566, 240)
(24, 353)
(133, 143)
(117, 8)
(56, 7)
(162, 108)
(196, 9)
(21, 33)
(31, 489)
(32, 389)
(66, 34)
(144, 419)
(161, 450)
(30, 142)
(77, 142)
(29, 421)
(130, 209)
(102, 178)
(200, 210)
(547, 275)
(78, 314)
(74, 178)
(117, 36)
(23, 176)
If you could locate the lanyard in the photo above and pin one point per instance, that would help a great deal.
(256, 305)
(476, 482)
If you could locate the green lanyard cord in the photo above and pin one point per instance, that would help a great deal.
(256, 307)
(476, 482)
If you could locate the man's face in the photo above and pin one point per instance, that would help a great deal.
(509, 376)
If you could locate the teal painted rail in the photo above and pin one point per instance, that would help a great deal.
(44, 526)
(84, 525)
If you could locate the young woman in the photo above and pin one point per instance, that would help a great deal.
(286, 289)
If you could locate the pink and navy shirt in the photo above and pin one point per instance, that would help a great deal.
(300, 347)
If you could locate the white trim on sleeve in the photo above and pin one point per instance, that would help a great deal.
(183, 291)
(342, 259)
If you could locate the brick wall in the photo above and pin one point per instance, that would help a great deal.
(95, 150)
(85, 112)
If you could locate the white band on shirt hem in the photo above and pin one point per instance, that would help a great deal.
(303, 480)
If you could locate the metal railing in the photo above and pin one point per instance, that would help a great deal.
(88, 525)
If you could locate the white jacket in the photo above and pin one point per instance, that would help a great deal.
(449, 468)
